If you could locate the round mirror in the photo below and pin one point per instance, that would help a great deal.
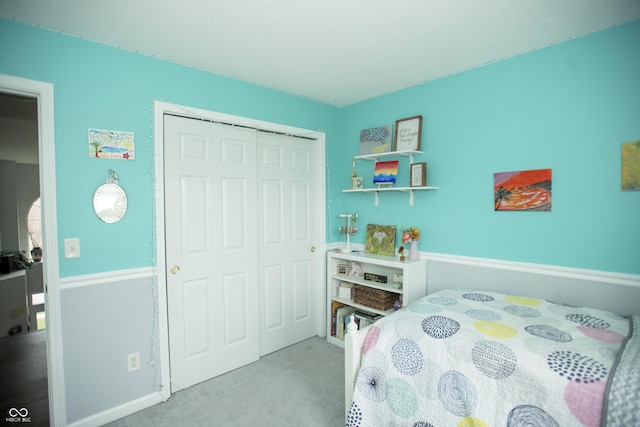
(110, 202)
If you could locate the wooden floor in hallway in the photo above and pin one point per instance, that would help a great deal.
(23, 376)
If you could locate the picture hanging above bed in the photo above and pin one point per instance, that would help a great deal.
(381, 239)
(522, 190)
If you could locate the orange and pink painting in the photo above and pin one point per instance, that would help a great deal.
(522, 190)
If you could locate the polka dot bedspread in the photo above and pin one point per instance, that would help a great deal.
(473, 358)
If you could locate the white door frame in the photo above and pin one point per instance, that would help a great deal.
(160, 108)
(43, 92)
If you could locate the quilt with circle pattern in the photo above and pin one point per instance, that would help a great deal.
(473, 358)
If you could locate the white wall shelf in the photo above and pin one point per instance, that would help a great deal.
(376, 190)
(375, 156)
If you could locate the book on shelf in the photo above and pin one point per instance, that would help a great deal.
(334, 308)
(364, 318)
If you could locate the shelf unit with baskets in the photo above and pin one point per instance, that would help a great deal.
(368, 294)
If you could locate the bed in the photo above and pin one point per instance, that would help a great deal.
(462, 357)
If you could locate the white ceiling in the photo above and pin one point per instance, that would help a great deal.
(337, 52)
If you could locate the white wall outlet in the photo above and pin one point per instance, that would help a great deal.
(72, 248)
(133, 362)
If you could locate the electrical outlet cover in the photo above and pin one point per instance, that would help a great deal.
(133, 362)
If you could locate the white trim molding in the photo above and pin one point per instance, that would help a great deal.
(108, 277)
(43, 92)
(610, 291)
(544, 269)
(118, 412)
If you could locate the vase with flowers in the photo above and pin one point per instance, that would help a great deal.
(401, 253)
(411, 235)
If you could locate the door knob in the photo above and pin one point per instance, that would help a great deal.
(175, 269)
(313, 248)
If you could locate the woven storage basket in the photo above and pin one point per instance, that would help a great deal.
(375, 298)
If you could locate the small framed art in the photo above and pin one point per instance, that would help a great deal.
(418, 174)
(376, 140)
(631, 166)
(381, 239)
(408, 133)
(344, 290)
(385, 173)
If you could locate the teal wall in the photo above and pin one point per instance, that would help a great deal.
(98, 86)
(568, 107)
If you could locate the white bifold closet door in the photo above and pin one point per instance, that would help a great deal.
(240, 269)
(289, 270)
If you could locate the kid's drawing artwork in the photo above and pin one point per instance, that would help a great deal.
(385, 173)
(111, 144)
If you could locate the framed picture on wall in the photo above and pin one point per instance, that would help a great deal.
(528, 190)
(408, 133)
(631, 166)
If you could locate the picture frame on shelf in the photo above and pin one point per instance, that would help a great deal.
(381, 239)
(419, 174)
(408, 133)
(376, 140)
(385, 173)
(344, 290)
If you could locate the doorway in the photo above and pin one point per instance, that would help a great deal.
(49, 359)
(306, 296)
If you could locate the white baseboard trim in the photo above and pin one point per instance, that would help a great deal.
(543, 269)
(108, 277)
(118, 412)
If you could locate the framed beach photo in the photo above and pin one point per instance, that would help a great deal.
(408, 133)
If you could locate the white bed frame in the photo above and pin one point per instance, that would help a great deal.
(615, 292)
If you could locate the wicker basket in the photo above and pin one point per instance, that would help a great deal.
(374, 298)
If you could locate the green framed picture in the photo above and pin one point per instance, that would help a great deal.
(381, 239)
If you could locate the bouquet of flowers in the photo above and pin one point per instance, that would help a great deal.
(410, 234)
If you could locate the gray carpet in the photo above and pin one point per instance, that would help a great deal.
(301, 385)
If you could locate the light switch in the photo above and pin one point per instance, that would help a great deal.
(72, 248)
